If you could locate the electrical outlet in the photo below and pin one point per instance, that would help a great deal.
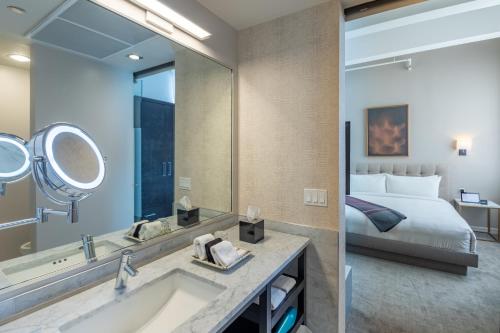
(315, 197)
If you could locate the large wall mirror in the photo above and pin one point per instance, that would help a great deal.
(160, 114)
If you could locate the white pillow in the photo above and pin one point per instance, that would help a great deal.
(419, 186)
(368, 183)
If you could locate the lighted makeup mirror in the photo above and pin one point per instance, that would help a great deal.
(67, 167)
(14, 160)
(66, 164)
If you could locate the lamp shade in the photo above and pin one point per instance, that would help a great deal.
(464, 142)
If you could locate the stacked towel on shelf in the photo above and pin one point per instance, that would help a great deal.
(224, 253)
(199, 245)
(280, 288)
(284, 283)
(277, 297)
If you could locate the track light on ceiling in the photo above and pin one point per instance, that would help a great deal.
(408, 65)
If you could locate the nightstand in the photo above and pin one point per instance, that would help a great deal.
(459, 205)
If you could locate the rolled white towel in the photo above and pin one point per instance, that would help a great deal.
(152, 230)
(277, 297)
(134, 226)
(224, 253)
(199, 245)
(284, 283)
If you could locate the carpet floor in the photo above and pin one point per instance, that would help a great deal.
(390, 297)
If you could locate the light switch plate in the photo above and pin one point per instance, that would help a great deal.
(315, 197)
(185, 183)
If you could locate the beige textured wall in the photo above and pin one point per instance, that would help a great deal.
(203, 130)
(15, 119)
(289, 115)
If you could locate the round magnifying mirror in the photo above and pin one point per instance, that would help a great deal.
(14, 158)
(73, 164)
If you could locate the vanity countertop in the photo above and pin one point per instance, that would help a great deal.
(243, 284)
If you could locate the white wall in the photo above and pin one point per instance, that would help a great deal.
(70, 88)
(15, 119)
(450, 92)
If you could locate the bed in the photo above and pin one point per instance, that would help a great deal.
(434, 235)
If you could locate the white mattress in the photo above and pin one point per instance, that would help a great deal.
(431, 222)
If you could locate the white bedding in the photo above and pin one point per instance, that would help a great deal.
(431, 222)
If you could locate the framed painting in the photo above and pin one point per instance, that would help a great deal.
(387, 131)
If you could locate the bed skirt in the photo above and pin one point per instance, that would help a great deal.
(412, 254)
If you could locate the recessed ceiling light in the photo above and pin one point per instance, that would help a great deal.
(17, 10)
(173, 17)
(134, 56)
(19, 57)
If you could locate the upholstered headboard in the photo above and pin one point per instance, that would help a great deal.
(414, 170)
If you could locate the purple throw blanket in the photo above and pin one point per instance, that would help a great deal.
(382, 217)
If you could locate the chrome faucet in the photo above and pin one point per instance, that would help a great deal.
(89, 248)
(124, 270)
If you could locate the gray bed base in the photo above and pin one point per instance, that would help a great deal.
(412, 254)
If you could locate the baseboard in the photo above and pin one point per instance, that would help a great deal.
(483, 229)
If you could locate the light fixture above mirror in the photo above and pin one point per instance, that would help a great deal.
(173, 17)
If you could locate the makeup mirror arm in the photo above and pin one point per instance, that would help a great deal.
(18, 223)
(71, 213)
(42, 216)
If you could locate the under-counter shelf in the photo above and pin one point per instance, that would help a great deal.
(253, 311)
(263, 319)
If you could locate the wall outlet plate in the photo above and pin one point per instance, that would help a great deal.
(315, 197)
(185, 183)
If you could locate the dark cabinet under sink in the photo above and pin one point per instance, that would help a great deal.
(261, 318)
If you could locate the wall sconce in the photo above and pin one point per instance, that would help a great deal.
(463, 144)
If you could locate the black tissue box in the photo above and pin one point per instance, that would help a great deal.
(186, 218)
(251, 232)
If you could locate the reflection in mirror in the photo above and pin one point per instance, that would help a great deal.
(14, 160)
(159, 112)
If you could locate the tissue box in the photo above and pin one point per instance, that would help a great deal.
(251, 232)
(186, 218)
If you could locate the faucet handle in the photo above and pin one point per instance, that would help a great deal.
(127, 255)
(128, 252)
(87, 238)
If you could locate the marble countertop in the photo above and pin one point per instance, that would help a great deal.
(243, 284)
(113, 241)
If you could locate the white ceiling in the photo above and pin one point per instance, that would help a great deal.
(426, 26)
(16, 24)
(241, 14)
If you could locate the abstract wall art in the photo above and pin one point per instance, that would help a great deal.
(387, 131)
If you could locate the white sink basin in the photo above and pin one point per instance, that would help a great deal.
(160, 306)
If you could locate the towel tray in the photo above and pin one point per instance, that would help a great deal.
(224, 268)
